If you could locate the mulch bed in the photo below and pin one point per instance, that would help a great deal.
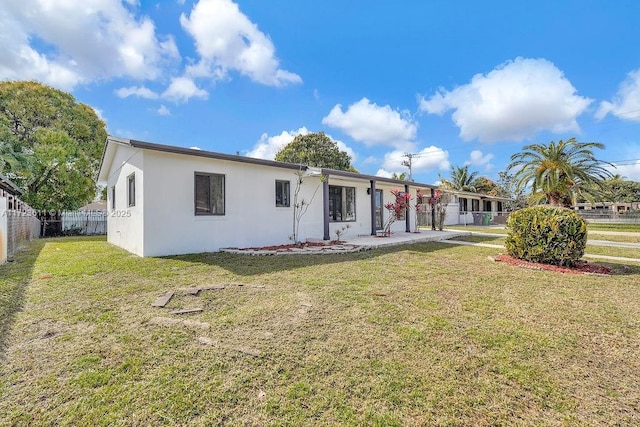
(581, 267)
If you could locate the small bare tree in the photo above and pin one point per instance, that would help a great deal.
(301, 205)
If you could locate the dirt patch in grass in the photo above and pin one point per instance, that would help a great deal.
(581, 267)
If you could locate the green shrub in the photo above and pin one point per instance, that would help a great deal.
(546, 235)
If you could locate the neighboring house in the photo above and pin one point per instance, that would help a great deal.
(607, 207)
(476, 208)
(167, 200)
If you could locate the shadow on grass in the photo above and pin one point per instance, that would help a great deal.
(476, 238)
(249, 265)
(15, 276)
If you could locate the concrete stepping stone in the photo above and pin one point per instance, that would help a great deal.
(163, 300)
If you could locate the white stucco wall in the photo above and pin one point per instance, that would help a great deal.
(125, 224)
(251, 217)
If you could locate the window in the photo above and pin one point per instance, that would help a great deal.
(475, 205)
(113, 197)
(131, 190)
(500, 207)
(209, 194)
(464, 207)
(282, 193)
(342, 203)
(486, 205)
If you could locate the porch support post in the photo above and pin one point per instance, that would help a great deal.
(372, 190)
(325, 207)
(407, 214)
(433, 211)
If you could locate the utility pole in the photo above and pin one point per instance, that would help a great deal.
(409, 163)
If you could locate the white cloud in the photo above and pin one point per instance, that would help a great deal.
(476, 158)
(94, 40)
(226, 40)
(163, 111)
(428, 159)
(629, 171)
(513, 102)
(139, 91)
(626, 104)
(384, 173)
(182, 89)
(100, 114)
(268, 146)
(371, 124)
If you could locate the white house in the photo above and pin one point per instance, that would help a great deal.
(476, 208)
(167, 200)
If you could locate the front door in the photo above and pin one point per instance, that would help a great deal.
(378, 209)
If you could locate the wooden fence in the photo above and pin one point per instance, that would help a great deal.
(18, 224)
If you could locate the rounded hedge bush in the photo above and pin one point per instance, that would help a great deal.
(547, 235)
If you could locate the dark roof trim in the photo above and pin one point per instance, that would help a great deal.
(243, 159)
(213, 155)
(8, 185)
(355, 175)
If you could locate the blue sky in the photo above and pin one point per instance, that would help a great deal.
(455, 83)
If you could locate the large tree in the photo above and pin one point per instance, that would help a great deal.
(619, 190)
(486, 186)
(316, 150)
(58, 141)
(460, 179)
(560, 173)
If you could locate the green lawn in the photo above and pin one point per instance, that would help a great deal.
(424, 334)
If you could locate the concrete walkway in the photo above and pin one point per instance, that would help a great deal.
(402, 238)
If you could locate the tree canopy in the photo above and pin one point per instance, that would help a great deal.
(51, 145)
(460, 179)
(619, 190)
(560, 173)
(486, 186)
(316, 150)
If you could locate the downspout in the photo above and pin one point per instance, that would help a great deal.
(325, 207)
(372, 189)
(407, 214)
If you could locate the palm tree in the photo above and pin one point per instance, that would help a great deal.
(461, 179)
(560, 173)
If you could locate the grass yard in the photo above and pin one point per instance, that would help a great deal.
(424, 334)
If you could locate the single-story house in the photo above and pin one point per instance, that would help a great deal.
(607, 207)
(476, 208)
(168, 200)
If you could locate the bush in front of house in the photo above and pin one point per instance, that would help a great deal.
(547, 235)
